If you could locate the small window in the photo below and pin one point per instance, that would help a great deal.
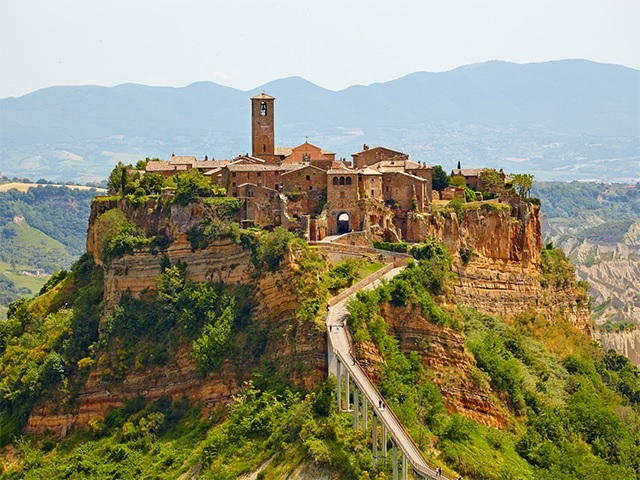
(341, 194)
(310, 187)
(372, 193)
(233, 184)
(233, 174)
(259, 174)
(341, 180)
(263, 109)
(348, 180)
(308, 177)
(235, 194)
(335, 180)
(387, 189)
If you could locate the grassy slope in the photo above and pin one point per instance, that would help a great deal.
(32, 248)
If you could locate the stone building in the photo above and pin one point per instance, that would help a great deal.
(370, 156)
(342, 201)
(472, 177)
(304, 188)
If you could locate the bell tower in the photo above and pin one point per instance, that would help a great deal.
(262, 127)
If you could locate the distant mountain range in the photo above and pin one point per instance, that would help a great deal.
(561, 120)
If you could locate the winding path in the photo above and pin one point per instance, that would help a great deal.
(340, 345)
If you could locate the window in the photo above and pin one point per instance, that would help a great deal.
(335, 180)
(341, 194)
(233, 174)
(233, 184)
(348, 180)
(259, 174)
(308, 177)
(372, 193)
(341, 180)
(310, 187)
(387, 189)
(263, 109)
(235, 194)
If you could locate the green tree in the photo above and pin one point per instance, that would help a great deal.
(439, 179)
(192, 184)
(522, 182)
(152, 183)
(492, 183)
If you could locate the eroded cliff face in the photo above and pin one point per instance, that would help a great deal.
(613, 273)
(296, 350)
(501, 272)
(451, 367)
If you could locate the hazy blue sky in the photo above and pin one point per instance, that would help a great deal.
(333, 43)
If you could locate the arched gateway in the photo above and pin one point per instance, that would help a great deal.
(343, 223)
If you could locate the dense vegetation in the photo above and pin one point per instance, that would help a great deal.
(576, 205)
(45, 228)
(59, 212)
(573, 408)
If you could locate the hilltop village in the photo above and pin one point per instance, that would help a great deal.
(305, 188)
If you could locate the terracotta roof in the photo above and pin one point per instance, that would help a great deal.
(263, 96)
(247, 158)
(244, 167)
(389, 166)
(369, 171)
(213, 171)
(341, 171)
(467, 172)
(420, 179)
(286, 151)
(182, 159)
(159, 166)
(303, 167)
(411, 165)
(379, 148)
(210, 163)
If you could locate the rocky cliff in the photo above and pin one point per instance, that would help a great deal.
(295, 349)
(443, 351)
(613, 273)
(496, 250)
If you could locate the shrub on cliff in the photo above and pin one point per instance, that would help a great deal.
(39, 347)
(271, 247)
(557, 272)
(193, 184)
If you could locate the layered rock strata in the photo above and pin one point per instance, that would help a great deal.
(295, 349)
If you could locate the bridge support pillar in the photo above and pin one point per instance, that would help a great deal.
(384, 440)
(394, 459)
(339, 384)
(365, 413)
(374, 438)
(356, 407)
(347, 388)
(404, 466)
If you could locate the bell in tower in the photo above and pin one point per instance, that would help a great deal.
(263, 128)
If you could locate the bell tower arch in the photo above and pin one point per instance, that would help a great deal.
(263, 127)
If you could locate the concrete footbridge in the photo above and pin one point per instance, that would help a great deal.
(356, 393)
